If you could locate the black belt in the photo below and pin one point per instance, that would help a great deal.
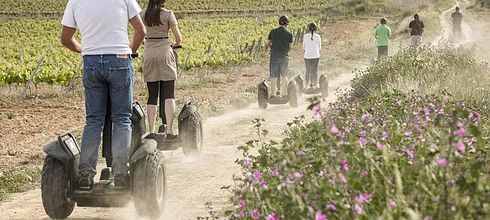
(155, 38)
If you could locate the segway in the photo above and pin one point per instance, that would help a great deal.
(190, 134)
(264, 98)
(147, 185)
(312, 90)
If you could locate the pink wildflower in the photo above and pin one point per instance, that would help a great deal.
(334, 129)
(442, 162)
(331, 207)
(275, 170)
(358, 209)
(379, 146)
(257, 176)
(364, 173)
(317, 110)
(255, 214)
(393, 204)
(409, 153)
(364, 117)
(298, 175)
(427, 218)
(362, 142)
(461, 132)
(265, 184)
(273, 217)
(384, 135)
(362, 133)
(407, 133)
(363, 197)
(247, 161)
(345, 165)
(320, 216)
(242, 203)
(460, 147)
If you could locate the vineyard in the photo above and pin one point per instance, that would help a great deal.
(32, 47)
(57, 6)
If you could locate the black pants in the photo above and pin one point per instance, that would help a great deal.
(166, 90)
(311, 74)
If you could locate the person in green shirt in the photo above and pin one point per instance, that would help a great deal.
(383, 35)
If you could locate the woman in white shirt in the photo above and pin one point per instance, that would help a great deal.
(312, 44)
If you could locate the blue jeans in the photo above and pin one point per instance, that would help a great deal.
(278, 66)
(106, 76)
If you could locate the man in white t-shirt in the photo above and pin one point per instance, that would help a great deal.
(108, 75)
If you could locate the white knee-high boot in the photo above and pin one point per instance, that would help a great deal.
(151, 111)
(169, 114)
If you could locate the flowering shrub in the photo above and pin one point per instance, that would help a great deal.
(391, 156)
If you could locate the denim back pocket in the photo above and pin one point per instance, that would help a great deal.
(121, 76)
(91, 77)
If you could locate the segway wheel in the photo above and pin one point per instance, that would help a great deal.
(190, 132)
(262, 97)
(300, 84)
(324, 86)
(293, 95)
(149, 185)
(54, 189)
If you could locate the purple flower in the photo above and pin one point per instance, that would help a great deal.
(247, 161)
(362, 142)
(275, 170)
(362, 133)
(416, 128)
(298, 175)
(409, 153)
(345, 165)
(331, 207)
(364, 117)
(363, 198)
(460, 147)
(320, 216)
(393, 204)
(334, 129)
(425, 123)
(442, 162)
(427, 218)
(240, 213)
(358, 209)
(461, 132)
(272, 217)
(257, 176)
(265, 184)
(384, 135)
(255, 214)
(379, 146)
(316, 109)
(364, 173)
(407, 133)
(242, 203)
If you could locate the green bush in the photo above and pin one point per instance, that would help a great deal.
(392, 156)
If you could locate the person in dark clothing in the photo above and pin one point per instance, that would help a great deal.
(280, 41)
(417, 27)
(456, 18)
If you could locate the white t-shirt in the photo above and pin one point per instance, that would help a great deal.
(312, 47)
(103, 24)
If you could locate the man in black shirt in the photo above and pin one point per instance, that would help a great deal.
(417, 27)
(456, 18)
(280, 41)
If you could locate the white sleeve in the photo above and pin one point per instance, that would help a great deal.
(69, 15)
(133, 9)
(304, 42)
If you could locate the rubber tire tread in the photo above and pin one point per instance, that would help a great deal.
(144, 185)
(293, 97)
(262, 97)
(188, 132)
(324, 88)
(54, 186)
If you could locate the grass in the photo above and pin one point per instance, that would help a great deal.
(18, 180)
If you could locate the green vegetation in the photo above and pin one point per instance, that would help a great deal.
(210, 42)
(57, 6)
(382, 150)
(17, 180)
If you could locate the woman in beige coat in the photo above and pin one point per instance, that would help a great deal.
(159, 62)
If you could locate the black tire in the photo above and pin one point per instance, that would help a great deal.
(300, 84)
(293, 95)
(262, 97)
(191, 134)
(54, 189)
(149, 185)
(324, 86)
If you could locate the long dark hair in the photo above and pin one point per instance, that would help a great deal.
(152, 14)
(312, 27)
